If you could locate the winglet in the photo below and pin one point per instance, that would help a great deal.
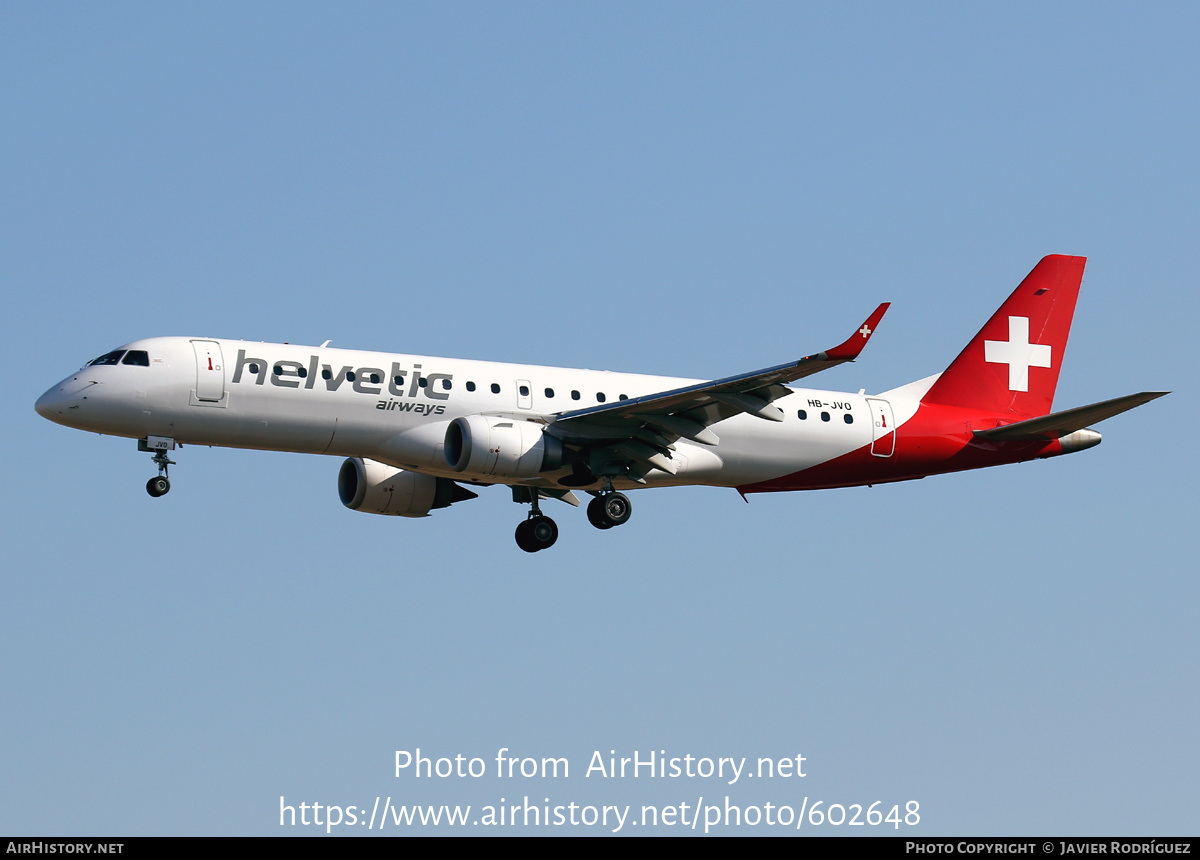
(853, 345)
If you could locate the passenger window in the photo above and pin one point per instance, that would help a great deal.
(326, 374)
(470, 386)
(495, 388)
(423, 382)
(524, 390)
(549, 393)
(375, 377)
(824, 416)
(599, 397)
(574, 395)
(137, 357)
(350, 376)
(802, 414)
(622, 397)
(302, 372)
(446, 384)
(848, 418)
(399, 380)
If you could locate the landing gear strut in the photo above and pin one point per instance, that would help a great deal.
(161, 485)
(538, 532)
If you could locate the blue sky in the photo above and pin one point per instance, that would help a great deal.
(681, 189)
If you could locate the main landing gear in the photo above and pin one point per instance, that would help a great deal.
(538, 532)
(608, 510)
(161, 485)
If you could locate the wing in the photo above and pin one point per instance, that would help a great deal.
(637, 433)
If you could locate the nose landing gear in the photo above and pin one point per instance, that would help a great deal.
(160, 445)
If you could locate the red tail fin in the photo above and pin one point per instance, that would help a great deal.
(1012, 364)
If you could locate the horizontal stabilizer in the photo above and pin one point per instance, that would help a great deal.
(1060, 424)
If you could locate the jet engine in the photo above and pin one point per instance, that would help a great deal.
(485, 446)
(376, 488)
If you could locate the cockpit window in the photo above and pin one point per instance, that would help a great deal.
(139, 357)
(113, 357)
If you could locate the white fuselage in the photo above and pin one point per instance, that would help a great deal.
(396, 408)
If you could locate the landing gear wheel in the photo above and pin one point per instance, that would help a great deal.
(158, 486)
(610, 510)
(537, 534)
(595, 514)
(617, 508)
(544, 531)
(523, 540)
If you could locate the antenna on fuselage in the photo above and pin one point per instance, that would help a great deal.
(325, 344)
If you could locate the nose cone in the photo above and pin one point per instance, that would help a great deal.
(61, 403)
(49, 405)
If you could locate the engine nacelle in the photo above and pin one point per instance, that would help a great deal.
(485, 446)
(376, 488)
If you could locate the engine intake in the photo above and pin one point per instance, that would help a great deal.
(484, 446)
(376, 488)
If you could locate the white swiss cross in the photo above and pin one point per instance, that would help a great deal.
(864, 331)
(1018, 353)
